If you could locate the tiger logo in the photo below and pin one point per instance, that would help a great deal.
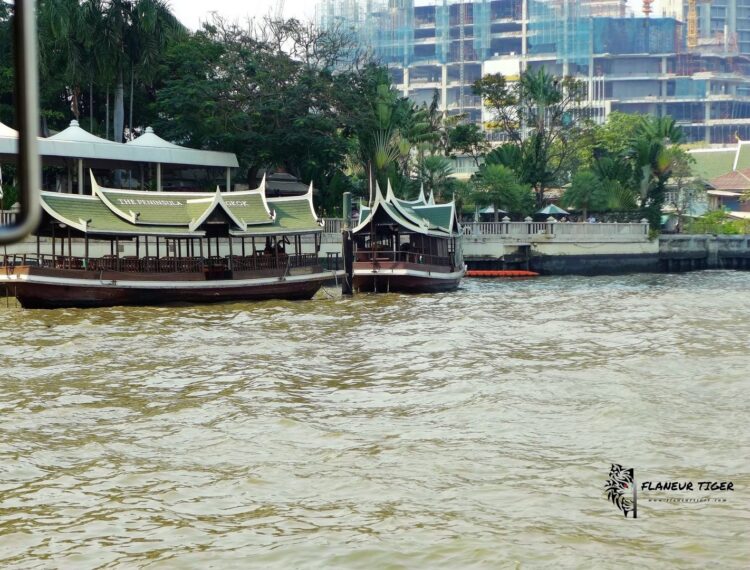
(621, 489)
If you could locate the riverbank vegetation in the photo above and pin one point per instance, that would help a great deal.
(282, 94)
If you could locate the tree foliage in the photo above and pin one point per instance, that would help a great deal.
(540, 114)
(498, 186)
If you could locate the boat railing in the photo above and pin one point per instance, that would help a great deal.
(132, 264)
(368, 256)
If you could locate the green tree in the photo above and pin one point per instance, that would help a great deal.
(467, 139)
(67, 47)
(587, 193)
(499, 187)
(540, 114)
(685, 190)
(435, 175)
(652, 159)
(131, 36)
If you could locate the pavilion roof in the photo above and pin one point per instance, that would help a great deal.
(419, 216)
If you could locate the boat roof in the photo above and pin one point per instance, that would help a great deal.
(114, 212)
(419, 216)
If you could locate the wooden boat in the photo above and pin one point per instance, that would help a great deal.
(407, 246)
(147, 248)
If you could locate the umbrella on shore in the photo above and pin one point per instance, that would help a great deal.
(552, 210)
(491, 210)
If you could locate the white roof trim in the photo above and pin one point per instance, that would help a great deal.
(97, 190)
(738, 152)
(217, 201)
(80, 225)
(374, 208)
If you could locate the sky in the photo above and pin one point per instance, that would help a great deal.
(193, 12)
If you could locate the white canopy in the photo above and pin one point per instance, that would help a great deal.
(169, 153)
(7, 132)
(76, 143)
(8, 140)
(79, 145)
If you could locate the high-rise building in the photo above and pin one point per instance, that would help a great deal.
(606, 8)
(630, 64)
(720, 22)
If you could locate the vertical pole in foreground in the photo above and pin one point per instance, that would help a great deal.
(348, 246)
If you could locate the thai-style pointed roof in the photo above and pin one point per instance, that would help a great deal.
(435, 219)
(119, 212)
(210, 208)
(90, 215)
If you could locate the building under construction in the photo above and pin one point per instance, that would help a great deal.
(643, 64)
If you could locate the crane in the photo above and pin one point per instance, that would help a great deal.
(692, 23)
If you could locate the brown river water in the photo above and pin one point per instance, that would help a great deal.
(473, 429)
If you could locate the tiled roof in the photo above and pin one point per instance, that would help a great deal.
(736, 180)
(112, 212)
(712, 163)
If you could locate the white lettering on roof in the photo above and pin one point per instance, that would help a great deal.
(134, 202)
(235, 203)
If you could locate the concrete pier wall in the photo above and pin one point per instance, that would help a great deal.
(690, 252)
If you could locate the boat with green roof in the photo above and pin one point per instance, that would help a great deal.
(150, 248)
(407, 246)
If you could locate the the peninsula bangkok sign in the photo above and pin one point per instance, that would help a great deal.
(622, 490)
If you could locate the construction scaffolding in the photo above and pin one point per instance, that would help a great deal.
(407, 32)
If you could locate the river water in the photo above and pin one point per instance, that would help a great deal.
(467, 430)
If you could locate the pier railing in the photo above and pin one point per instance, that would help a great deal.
(583, 231)
(161, 265)
(529, 230)
(367, 256)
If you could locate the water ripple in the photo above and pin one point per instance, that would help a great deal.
(473, 429)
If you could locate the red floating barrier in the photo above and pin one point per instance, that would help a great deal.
(499, 273)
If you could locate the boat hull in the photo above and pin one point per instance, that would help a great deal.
(40, 289)
(405, 278)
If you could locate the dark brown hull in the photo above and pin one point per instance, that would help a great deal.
(404, 278)
(68, 292)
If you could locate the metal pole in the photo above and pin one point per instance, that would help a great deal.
(347, 246)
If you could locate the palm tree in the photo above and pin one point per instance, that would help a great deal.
(499, 187)
(652, 162)
(435, 174)
(586, 193)
(133, 33)
(64, 27)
